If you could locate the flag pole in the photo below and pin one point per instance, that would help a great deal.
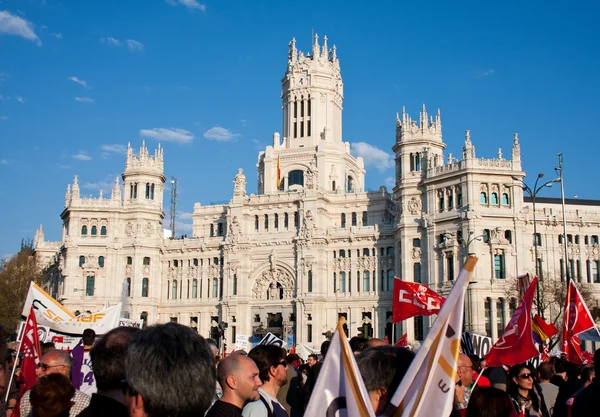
(12, 374)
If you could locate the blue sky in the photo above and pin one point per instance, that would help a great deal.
(81, 79)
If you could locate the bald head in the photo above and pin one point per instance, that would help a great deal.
(465, 369)
(239, 379)
(374, 342)
(55, 362)
(232, 365)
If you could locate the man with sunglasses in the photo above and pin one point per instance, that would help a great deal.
(56, 362)
(272, 370)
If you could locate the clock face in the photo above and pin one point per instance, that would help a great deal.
(302, 81)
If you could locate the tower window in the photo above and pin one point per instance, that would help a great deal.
(101, 261)
(505, 199)
(81, 261)
(129, 260)
(483, 198)
(494, 199)
(147, 191)
(152, 192)
(220, 229)
(103, 231)
(94, 230)
(350, 185)
(83, 230)
(146, 260)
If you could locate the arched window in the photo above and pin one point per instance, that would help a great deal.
(144, 318)
(505, 199)
(342, 282)
(350, 184)
(146, 260)
(354, 219)
(83, 230)
(418, 161)
(103, 231)
(296, 177)
(145, 287)
(366, 252)
(129, 260)
(342, 253)
(195, 288)
(174, 291)
(152, 192)
(128, 286)
(390, 280)
(81, 260)
(390, 251)
(366, 281)
(343, 221)
(266, 222)
(494, 199)
(483, 197)
(101, 261)
(94, 230)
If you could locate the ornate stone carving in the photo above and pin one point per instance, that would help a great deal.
(234, 232)
(414, 206)
(312, 181)
(416, 253)
(239, 188)
(274, 284)
(129, 229)
(308, 226)
(149, 229)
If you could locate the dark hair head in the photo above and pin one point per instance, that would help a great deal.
(89, 337)
(384, 367)
(357, 343)
(266, 356)
(47, 347)
(545, 371)
(513, 389)
(163, 362)
(559, 365)
(108, 357)
(325, 347)
(586, 372)
(489, 402)
(51, 396)
(291, 358)
(314, 356)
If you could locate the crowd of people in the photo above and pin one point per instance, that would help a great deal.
(170, 370)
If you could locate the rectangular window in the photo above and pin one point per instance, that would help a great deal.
(354, 219)
(310, 281)
(233, 332)
(417, 272)
(416, 242)
(450, 268)
(459, 200)
(365, 218)
(276, 221)
(220, 229)
(562, 269)
(578, 270)
(308, 127)
(537, 240)
(89, 286)
(215, 288)
(500, 316)
(594, 267)
(499, 266)
(366, 281)
(309, 335)
(419, 333)
(145, 285)
(488, 317)
(286, 220)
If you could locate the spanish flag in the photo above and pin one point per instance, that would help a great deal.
(278, 173)
(542, 331)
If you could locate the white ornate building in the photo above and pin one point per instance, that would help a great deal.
(314, 245)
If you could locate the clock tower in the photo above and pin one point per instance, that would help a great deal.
(312, 93)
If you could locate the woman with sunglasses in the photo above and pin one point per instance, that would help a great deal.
(522, 392)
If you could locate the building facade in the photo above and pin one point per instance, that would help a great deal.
(312, 244)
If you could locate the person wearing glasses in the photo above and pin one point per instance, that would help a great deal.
(465, 385)
(56, 362)
(272, 370)
(522, 393)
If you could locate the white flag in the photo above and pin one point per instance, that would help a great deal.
(45, 306)
(339, 390)
(427, 389)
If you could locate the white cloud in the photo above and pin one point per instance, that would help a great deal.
(134, 46)
(100, 185)
(114, 148)
(78, 81)
(243, 122)
(20, 99)
(61, 166)
(372, 156)
(220, 134)
(190, 4)
(485, 73)
(169, 135)
(111, 41)
(15, 25)
(389, 182)
(185, 216)
(82, 156)
(57, 35)
(85, 100)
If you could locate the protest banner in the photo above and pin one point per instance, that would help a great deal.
(138, 324)
(241, 342)
(271, 339)
(481, 345)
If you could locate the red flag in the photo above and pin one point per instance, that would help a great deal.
(412, 299)
(524, 283)
(576, 319)
(516, 345)
(30, 348)
(403, 341)
(545, 355)
(542, 331)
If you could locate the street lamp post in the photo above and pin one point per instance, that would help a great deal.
(533, 192)
(559, 171)
(469, 300)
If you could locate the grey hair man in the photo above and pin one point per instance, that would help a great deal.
(382, 368)
(170, 371)
(108, 359)
(238, 376)
(57, 362)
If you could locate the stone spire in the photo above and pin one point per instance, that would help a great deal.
(423, 122)
(516, 148)
(325, 50)
(39, 237)
(468, 149)
(75, 193)
(116, 191)
(293, 52)
(68, 195)
(315, 48)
